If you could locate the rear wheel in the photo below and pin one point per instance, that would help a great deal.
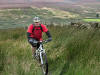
(44, 66)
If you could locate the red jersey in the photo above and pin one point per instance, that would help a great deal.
(37, 33)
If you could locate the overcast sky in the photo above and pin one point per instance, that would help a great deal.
(21, 1)
(31, 0)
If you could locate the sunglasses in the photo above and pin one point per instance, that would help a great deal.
(36, 22)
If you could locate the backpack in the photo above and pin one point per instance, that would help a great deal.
(39, 26)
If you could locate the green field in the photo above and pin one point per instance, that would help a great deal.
(72, 52)
(91, 20)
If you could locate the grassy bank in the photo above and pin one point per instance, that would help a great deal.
(72, 52)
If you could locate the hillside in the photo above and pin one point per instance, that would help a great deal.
(81, 9)
(84, 9)
(16, 17)
(21, 17)
(72, 52)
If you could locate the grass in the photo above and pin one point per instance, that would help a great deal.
(92, 20)
(72, 52)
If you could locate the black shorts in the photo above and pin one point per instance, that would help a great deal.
(33, 42)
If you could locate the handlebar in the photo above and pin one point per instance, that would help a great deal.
(44, 41)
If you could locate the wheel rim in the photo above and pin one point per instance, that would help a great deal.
(44, 68)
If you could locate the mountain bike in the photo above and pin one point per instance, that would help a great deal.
(40, 55)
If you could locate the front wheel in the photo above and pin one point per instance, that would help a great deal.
(44, 63)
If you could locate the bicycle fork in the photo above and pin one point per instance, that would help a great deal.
(41, 58)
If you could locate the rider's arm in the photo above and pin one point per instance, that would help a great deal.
(49, 36)
(29, 31)
(47, 32)
(28, 35)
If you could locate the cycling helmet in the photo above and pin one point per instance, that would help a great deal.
(36, 19)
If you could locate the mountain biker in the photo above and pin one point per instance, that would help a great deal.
(34, 33)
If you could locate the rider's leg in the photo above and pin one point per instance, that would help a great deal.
(33, 43)
(33, 50)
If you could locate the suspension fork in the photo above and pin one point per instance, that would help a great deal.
(41, 57)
